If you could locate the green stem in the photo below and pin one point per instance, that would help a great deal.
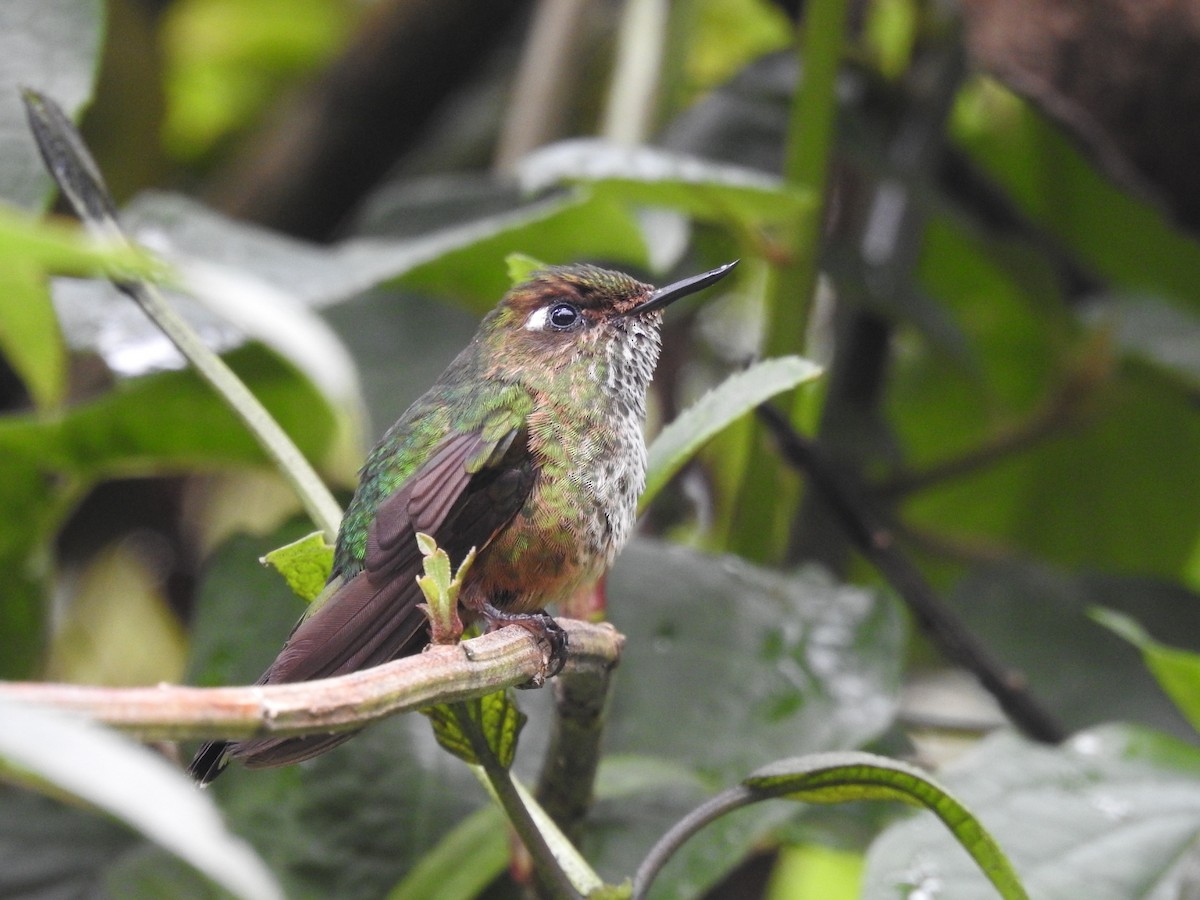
(551, 876)
(69, 161)
(320, 504)
(766, 502)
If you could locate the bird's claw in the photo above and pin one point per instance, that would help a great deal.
(542, 626)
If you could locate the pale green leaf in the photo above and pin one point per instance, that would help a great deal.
(441, 875)
(29, 335)
(521, 266)
(304, 564)
(56, 754)
(647, 176)
(720, 407)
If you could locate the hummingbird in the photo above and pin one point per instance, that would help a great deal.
(528, 449)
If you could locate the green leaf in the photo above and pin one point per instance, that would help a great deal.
(582, 225)
(50, 752)
(53, 46)
(521, 266)
(720, 407)
(449, 733)
(496, 716)
(816, 872)
(796, 659)
(441, 874)
(441, 590)
(29, 335)
(845, 777)
(1112, 814)
(170, 421)
(1178, 671)
(304, 564)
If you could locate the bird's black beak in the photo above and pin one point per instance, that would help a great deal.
(672, 292)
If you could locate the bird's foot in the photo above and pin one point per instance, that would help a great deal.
(542, 626)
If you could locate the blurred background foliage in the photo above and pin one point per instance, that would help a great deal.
(1002, 203)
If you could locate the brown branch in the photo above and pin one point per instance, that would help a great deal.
(445, 674)
(877, 543)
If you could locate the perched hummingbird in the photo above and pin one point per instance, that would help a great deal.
(528, 448)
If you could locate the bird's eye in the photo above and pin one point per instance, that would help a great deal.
(563, 316)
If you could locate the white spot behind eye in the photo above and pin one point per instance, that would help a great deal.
(537, 319)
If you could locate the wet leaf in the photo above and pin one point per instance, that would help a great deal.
(1112, 814)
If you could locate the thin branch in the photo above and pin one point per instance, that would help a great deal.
(712, 809)
(443, 674)
(877, 543)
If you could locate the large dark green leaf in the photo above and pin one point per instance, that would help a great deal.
(1113, 815)
(721, 649)
(728, 667)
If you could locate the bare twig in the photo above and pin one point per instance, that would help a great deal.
(876, 542)
(443, 674)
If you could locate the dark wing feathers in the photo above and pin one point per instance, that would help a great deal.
(421, 505)
(373, 617)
